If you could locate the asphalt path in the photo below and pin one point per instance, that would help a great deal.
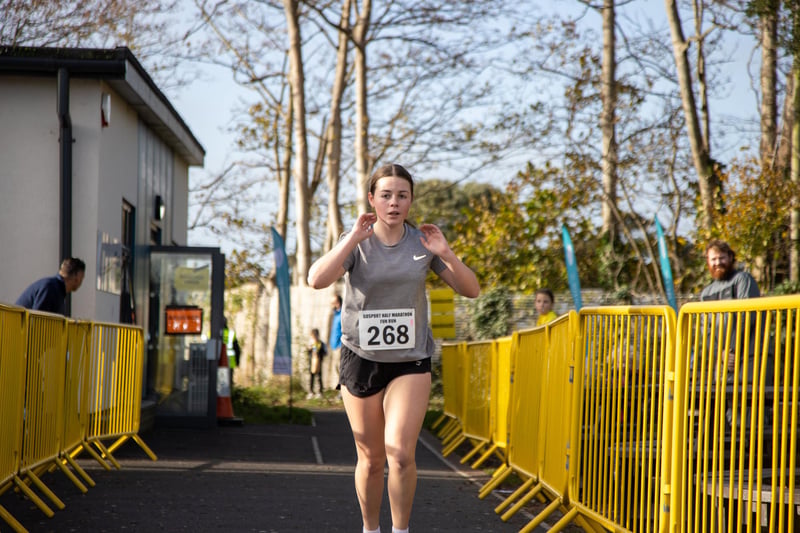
(262, 478)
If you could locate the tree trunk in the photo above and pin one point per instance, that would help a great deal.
(608, 121)
(285, 171)
(794, 222)
(297, 83)
(702, 86)
(333, 139)
(363, 165)
(700, 152)
(769, 116)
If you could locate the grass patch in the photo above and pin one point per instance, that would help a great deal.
(279, 402)
(266, 405)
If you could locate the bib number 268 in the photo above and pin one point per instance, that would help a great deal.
(386, 329)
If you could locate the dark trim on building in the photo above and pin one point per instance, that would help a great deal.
(65, 141)
(120, 69)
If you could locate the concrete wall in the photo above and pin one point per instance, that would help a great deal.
(29, 196)
(116, 182)
(253, 310)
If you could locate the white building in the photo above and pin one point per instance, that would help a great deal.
(129, 149)
(94, 164)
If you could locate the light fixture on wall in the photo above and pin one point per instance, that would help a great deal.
(105, 110)
(159, 209)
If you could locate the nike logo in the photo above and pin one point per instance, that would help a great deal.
(418, 257)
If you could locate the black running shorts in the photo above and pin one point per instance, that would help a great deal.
(363, 377)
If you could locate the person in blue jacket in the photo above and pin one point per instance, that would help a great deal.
(335, 337)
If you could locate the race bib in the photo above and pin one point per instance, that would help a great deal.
(386, 329)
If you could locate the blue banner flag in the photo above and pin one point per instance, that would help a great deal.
(282, 362)
(572, 269)
(666, 269)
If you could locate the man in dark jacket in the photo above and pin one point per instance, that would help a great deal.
(49, 294)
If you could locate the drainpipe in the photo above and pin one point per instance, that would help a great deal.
(65, 141)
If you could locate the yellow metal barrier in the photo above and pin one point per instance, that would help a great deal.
(620, 427)
(497, 398)
(453, 388)
(443, 314)
(502, 393)
(115, 379)
(628, 423)
(540, 412)
(43, 423)
(499, 393)
(64, 387)
(476, 396)
(556, 420)
(528, 353)
(13, 347)
(737, 401)
(76, 395)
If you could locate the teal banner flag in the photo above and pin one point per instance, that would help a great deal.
(282, 363)
(572, 269)
(666, 269)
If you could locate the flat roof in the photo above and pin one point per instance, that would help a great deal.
(121, 70)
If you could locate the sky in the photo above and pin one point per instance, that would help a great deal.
(207, 106)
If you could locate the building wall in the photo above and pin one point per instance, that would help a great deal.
(180, 203)
(124, 161)
(84, 109)
(117, 182)
(29, 195)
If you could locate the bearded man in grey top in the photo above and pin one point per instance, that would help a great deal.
(728, 283)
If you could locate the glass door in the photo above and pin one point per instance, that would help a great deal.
(185, 333)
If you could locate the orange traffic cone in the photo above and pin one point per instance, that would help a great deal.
(224, 404)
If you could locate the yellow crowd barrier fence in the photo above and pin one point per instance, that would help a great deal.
(65, 386)
(453, 376)
(527, 350)
(556, 406)
(116, 385)
(13, 350)
(76, 393)
(735, 451)
(476, 385)
(487, 426)
(620, 428)
(500, 392)
(628, 419)
(43, 422)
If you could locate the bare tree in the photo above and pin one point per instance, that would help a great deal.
(363, 164)
(794, 175)
(264, 137)
(608, 120)
(769, 69)
(300, 167)
(333, 138)
(697, 131)
(794, 223)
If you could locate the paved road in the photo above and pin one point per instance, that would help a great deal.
(272, 478)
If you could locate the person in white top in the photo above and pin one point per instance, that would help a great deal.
(386, 341)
